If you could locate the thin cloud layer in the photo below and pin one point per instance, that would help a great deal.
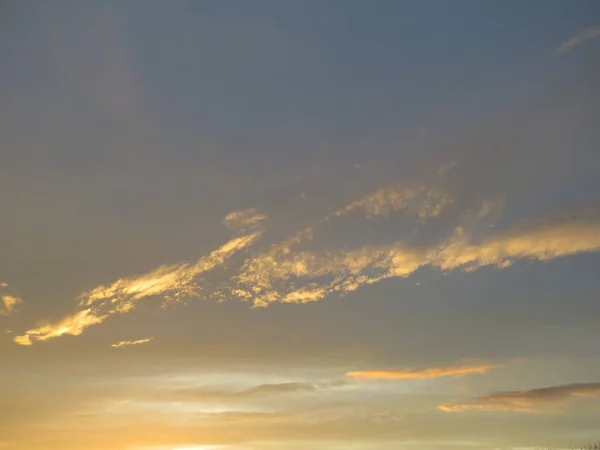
(418, 374)
(580, 38)
(525, 401)
(126, 343)
(259, 391)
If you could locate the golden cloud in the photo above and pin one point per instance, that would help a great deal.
(126, 343)
(121, 296)
(419, 201)
(380, 203)
(542, 243)
(298, 277)
(10, 304)
(289, 274)
(243, 219)
(173, 279)
(73, 325)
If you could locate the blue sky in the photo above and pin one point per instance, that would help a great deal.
(263, 225)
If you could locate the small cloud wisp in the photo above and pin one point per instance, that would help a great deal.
(126, 343)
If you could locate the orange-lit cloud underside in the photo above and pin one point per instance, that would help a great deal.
(415, 374)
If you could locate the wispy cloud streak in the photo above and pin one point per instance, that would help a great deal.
(419, 201)
(259, 391)
(127, 343)
(417, 374)
(525, 401)
(122, 296)
(580, 38)
(243, 219)
(73, 324)
(382, 202)
(176, 279)
(303, 276)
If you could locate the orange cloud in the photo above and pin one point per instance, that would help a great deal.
(417, 374)
(525, 401)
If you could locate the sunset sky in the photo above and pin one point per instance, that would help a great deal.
(265, 225)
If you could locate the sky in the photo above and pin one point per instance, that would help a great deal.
(357, 225)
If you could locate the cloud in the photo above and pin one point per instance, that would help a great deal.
(175, 279)
(580, 38)
(224, 395)
(10, 304)
(262, 278)
(243, 219)
(381, 202)
(417, 374)
(289, 272)
(578, 233)
(122, 296)
(259, 391)
(305, 276)
(125, 343)
(73, 325)
(418, 201)
(525, 401)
